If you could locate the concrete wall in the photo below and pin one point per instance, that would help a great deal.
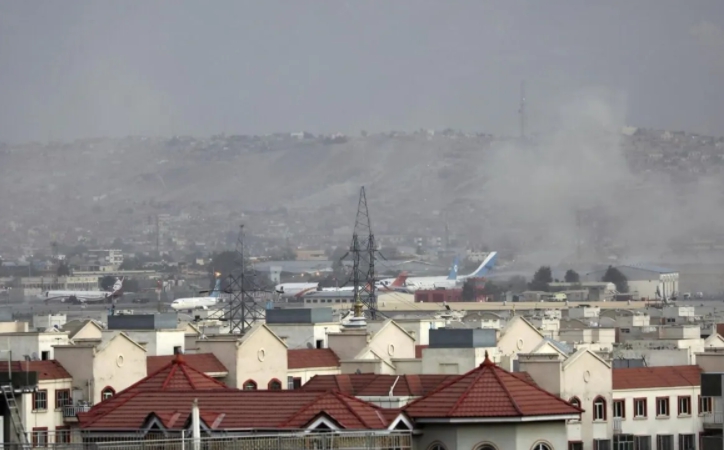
(306, 374)
(49, 418)
(393, 342)
(261, 357)
(119, 364)
(518, 337)
(78, 361)
(346, 345)
(651, 425)
(455, 360)
(225, 351)
(28, 343)
(159, 342)
(501, 436)
(299, 335)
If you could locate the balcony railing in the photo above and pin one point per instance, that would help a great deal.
(713, 419)
(617, 425)
(70, 412)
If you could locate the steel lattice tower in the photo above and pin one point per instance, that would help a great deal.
(243, 309)
(363, 257)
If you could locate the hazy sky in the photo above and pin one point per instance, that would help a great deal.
(98, 68)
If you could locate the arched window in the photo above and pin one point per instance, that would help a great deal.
(437, 446)
(107, 393)
(599, 408)
(485, 447)
(575, 402)
(542, 446)
(275, 385)
(249, 385)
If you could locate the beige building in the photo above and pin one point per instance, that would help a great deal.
(256, 360)
(103, 367)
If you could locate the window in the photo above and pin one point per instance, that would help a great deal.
(40, 437)
(107, 393)
(40, 401)
(685, 406)
(275, 385)
(485, 447)
(687, 442)
(642, 442)
(619, 409)
(664, 442)
(249, 385)
(601, 444)
(62, 435)
(575, 402)
(541, 446)
(320, 343)
(575, 445)
(640, 407)
(599, 409)
(45, 355)
(662, 406)
(705, 405)
(437, 446)
(62, 398)
(177, 350)
(623, 442)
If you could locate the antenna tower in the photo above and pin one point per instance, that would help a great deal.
(521, 111)
(243, 309)
(363, 251)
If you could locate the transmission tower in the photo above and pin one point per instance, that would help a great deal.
(245, 305)
(363, 251)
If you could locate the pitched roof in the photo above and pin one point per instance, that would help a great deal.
(203, 362)
(656, 377)
(488, 392)
(46, 369)
(374, 385)
(237, 409)
(176, 376)
(311, 357)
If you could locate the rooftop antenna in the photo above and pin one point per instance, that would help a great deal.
(521, 111)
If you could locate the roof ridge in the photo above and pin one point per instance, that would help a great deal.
(533, 385)
(170, 375)
(186, 374)
(467, 390)
(106, 411)
(507, 391)
(350, 408)
(304, 408)
(439, 388)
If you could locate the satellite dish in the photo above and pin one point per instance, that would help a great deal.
(34, 357)
(309, 345)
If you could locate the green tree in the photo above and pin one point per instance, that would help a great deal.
(572, 276)
(613, 275)
(541, 279)
(63, 269)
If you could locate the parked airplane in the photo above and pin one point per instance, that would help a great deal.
(439, 282)
(191, 303)
(484, 268)
(85, 296)
(396, 285)
(288, 290)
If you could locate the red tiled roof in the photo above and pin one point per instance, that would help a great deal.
(488, 392)
(419, 349)
(46, 369)
(236, 409)
(656, 377)
(307, 358)
(175, 376)
(202, 362)
(369, 384)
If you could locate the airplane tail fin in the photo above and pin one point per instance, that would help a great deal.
(454, 270)
(485, 267)
(400, 280)
(117, 289)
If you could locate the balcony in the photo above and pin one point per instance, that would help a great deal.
(70, 412)
(617, 425)
(713, 420)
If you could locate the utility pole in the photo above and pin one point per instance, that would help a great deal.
(363, 249)
(244, 309)
(521, 111)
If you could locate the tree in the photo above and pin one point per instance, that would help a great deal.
(107, 282)
(613, 275)
(63, 269)
(572, 276)
(541, 278)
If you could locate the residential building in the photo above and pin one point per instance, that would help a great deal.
(303, 327)
(206, 363)
(32, 344)
(303, 364)
(645, 281)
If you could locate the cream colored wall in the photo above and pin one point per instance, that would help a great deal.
(652, 425)
(407, 366)
(546, 373)
(28, 343)
(89, 331)
(78, 362)
(299, 335)
(306, 374)
(519, 337)
(120, 364)
(159, 342)
(261, 357)
(347, 345)
(225, 352)
(366, 366)
(455, 360)
(393, 342)
(13, 327)
(588, 367)
(50, 418)
(502, 436)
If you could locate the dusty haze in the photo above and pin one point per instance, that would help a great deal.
(160, 69)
